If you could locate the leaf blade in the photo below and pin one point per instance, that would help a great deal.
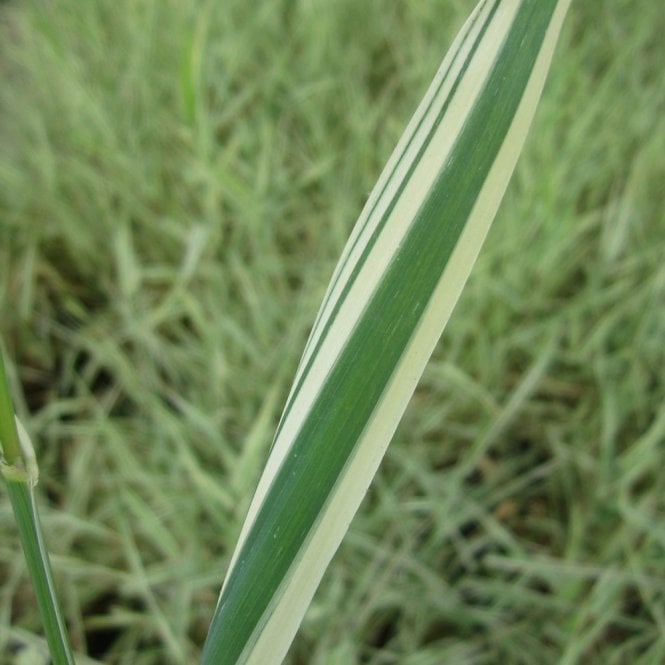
(390, 297)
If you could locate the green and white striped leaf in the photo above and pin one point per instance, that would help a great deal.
(389, 299)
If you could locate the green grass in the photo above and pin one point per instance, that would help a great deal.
(176, 185)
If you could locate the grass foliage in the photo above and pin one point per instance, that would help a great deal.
(176, 183)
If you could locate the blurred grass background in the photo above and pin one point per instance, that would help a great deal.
(177, 180)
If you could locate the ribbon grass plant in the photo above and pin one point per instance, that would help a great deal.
(389, 299)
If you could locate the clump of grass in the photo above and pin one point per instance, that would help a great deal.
(174, 190)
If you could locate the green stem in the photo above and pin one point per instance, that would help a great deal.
(20, 473)
(29, 527)
(9, 443)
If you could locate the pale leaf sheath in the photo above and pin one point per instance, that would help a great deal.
(391, 295)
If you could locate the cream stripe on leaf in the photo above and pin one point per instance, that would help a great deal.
(389, 299)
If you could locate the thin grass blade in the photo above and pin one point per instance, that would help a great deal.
(19, 469)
